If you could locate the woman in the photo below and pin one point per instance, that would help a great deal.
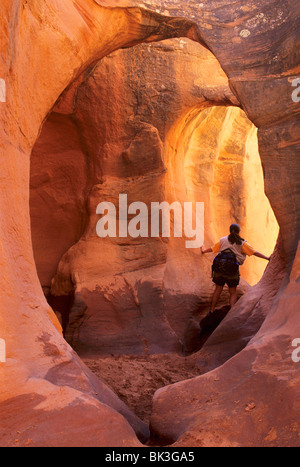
(233, 243)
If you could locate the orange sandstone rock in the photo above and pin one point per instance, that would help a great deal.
(45, 46)
(250, 400)
(153, 154)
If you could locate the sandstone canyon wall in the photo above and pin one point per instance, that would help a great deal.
(147, 132)
(47, 395)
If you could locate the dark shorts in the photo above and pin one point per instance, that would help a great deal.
(221, 280)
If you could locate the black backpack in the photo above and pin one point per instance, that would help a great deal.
(226, 263)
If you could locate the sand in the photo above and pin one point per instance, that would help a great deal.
(136, 378)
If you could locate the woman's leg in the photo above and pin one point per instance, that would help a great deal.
(216, 296)
(233, 296)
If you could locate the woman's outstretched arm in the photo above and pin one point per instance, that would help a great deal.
(260, 255)
(208, 250)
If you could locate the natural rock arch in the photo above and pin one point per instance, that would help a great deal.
(79, 33)
(131, 126)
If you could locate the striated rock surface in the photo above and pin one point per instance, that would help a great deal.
(70, 38)
(148, 134)
(45, 46)
(252, 399)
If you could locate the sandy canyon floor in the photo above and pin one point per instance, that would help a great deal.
(136, 378)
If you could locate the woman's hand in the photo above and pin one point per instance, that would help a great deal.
(203, 250)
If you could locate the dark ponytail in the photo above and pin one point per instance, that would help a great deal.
(234, 236)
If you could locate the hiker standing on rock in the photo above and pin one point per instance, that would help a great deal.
(233, 251)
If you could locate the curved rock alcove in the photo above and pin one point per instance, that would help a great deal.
(48, 396)
(135, 128)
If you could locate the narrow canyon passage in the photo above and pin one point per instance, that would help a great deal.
(86, 120)
(136, 320)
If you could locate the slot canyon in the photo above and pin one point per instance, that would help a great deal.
(162, 101)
